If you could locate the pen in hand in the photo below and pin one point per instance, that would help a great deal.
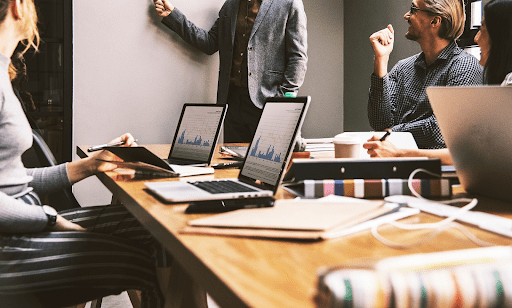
(388, 132)
(102, 146)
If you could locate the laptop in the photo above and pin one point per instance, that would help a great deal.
(264, 165)
(476, 125)
(194, 139)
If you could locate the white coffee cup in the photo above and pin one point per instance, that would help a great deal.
(346, 145)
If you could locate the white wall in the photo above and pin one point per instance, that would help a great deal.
(324, 77)
(132, 74)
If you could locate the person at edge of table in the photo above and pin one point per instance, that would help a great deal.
(398, 100)
(50, 259)
(263, 53)
(495, 41)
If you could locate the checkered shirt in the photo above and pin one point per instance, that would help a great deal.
(399, 100)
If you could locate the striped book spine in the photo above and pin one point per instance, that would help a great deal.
(360, 188)
(479, 285)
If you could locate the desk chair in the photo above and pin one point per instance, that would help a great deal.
(40, 155)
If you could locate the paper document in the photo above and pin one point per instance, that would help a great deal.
(182, 170)
(318, 140)
(289, 219)
(384, 219)
(403, 140)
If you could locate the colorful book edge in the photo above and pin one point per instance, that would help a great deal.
(360, 188)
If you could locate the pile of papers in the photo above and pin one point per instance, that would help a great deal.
(319, 145)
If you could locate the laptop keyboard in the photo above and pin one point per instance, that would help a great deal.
(220, 187)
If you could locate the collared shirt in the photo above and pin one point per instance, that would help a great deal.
(399, 100)
(508, 80)
(244, 23)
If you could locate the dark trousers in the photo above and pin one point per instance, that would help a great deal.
(60, 269)
(242, 117)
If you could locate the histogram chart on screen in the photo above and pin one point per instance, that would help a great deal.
(271, 142)
(197, 133)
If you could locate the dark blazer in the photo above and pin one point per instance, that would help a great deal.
(276, 53)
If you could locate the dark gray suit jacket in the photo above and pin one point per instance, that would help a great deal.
(276, 53)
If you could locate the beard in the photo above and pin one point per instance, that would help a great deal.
(411, 36)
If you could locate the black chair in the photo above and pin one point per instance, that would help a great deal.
(40, 155)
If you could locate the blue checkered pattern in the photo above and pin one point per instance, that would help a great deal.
(399, 100)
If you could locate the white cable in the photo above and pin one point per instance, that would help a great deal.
(434, 233)
(445, 221)
(389, 243)
(411, 177)
(438, 226)
(418, 195)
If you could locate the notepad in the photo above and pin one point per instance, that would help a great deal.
(403, 140)
(289, 219)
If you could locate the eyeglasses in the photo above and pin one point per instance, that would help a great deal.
(414, 9)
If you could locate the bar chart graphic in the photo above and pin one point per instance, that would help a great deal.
(198, 140)
(196, 133)
(271, 142)
(269, 155)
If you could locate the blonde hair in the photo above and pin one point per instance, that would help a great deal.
(32, 38)
(453, 14)
(29, 16)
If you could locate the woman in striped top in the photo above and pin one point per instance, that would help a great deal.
(50, 259)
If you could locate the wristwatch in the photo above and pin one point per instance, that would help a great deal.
(51, 213)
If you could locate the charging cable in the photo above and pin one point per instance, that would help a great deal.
(437, 227)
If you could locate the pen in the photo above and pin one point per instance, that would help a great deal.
(388, 132)
(229, 151)
(102, 146)
(228, 165)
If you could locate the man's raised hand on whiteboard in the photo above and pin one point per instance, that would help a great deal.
(163, 7)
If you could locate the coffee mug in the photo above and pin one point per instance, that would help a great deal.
(346, 145)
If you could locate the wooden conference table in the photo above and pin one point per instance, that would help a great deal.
(243, 272)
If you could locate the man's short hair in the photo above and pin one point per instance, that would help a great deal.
(453, 14)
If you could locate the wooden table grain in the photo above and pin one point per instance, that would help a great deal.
(242, 272)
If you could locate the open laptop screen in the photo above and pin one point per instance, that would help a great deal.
(475, 123)
(274, 139)
(197, 132)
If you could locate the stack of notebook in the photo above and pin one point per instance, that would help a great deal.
(480, 277)
(364, 188)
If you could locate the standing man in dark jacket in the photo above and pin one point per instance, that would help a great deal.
(262, 46)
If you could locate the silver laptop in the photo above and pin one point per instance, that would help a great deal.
(197, 134)
(476, 123)
(264, 165)
(194, 140)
